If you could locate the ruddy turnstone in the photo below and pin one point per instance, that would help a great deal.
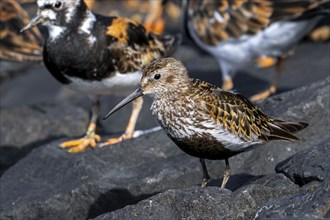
(204, 120)
(237, 33)
(13, 45)
(97, 55)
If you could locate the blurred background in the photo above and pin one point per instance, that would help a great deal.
(29, 83)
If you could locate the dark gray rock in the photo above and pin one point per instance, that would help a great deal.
(50, 183)
(308, 165)
(23, 128)
(309, 168)
(207, 203)
(310, 205)
(310, 104)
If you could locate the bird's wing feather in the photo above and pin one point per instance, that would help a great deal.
(242, 118)
(233, 112)
(14, 45)
(131, 46)
(215, 21)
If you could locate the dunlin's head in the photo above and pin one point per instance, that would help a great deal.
(163, 77)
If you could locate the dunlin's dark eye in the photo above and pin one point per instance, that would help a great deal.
(157, 76)
(58, 5)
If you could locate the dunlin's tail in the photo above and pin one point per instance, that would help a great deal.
(283, 130)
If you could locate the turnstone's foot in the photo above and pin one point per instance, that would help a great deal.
(129, 132)
(116, 140)
(262, 95)
(228, 84)
(90, 139)
(320, 34)
(265, 61)
(81, 144)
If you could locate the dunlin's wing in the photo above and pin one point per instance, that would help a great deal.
(242, 118)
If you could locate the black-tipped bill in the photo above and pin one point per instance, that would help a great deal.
(134, 95)
(34, 22)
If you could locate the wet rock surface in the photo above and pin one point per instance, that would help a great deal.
(149, 177)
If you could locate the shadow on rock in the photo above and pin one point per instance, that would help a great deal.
(114, 199)
(9, 155)
(235, 181)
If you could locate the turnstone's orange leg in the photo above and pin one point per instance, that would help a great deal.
(129, 132)
(265, 61)
(154, 21)
(273, 87)
(226, 174)
(320, 34)
(228, 84)
(206, 176)
(90, 139)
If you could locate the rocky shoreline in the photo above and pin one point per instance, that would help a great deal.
(150, 178)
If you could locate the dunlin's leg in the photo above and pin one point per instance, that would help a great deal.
(226, 174)
(206, 176)
(129, 132)
(90, 138)
(273, 87)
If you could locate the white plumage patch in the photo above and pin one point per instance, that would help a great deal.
(55, 31)
(42, 3)
(119, 84)
(87, 26)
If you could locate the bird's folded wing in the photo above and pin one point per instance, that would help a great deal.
(14, 45)
(131, 46)
(234, 112)
(216, 21)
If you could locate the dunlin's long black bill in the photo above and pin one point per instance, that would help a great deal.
(35, 21)
(134, 95)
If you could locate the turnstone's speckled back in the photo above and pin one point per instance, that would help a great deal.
(203, 120)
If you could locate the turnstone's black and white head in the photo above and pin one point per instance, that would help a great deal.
(60, 15)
